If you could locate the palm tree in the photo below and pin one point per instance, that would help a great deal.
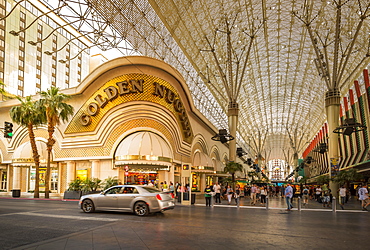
(30, 114)
(347, 176)
(323, 179)
(232, 168)
(55, 110)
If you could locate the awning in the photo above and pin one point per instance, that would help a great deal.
(23, 155)
(144, 148)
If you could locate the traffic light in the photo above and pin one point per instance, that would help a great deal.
(8, 129)
(185, 167)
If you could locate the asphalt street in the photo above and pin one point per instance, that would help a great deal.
(56, 224)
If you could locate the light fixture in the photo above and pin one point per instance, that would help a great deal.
(240, 152)
(349, 126)
(222, 136)
(322, 148)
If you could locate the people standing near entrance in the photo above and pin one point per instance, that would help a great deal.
(172, 188)
(288, 196)
(208, 195)
(217, 190)
(165, 186)
(253, 194)
(363, 197)
(342, 196)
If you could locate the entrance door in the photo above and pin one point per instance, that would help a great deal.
(3, 179)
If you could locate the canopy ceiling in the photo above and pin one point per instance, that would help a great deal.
(258, 53)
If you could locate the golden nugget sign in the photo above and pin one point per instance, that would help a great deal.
(132, 87)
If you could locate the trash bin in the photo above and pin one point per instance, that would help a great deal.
(192, 199)
(16, 193)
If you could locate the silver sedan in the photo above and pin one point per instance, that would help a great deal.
(141, 200)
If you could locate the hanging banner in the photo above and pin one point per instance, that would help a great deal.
(334, 166)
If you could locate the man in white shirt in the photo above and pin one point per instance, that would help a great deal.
(217, 190)
(363, 197)
(342, 195)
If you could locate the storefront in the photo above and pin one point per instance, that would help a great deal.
(24, 170)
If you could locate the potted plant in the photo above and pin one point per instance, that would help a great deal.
(110, 182)
(91, 185)
(74, 190)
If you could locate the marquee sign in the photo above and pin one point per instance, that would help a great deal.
(126, 88)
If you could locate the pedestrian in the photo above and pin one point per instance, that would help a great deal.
(237, 194)
(363, 196)
(253, 194)
(305, 194)
(342, 195)
(288, 196)
(263, 193)
(172, 188)
(208, 195)
(258, 193)
(165, 186)
(230, 194)
(318, 194)
(326, 198)
(217, 190)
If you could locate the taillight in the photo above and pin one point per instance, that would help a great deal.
(172, 195)
(158, 196)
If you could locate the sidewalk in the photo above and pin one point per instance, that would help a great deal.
(279, 203)
(274, 202)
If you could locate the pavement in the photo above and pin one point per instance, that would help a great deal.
(116, 236)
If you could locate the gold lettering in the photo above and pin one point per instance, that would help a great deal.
(178, 105)
(111, 92)
(100, 101)
(170, 96)
(137, 86)
(158, 89)
(93, 109)
(123, 87)
(85, 119)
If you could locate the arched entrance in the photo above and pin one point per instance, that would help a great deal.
(144, 157)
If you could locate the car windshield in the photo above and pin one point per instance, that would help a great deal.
(151, 189)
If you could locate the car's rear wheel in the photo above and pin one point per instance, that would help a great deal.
(88, 206)
(141, 208)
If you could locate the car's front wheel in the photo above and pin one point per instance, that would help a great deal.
(141, 208)
(88, 206)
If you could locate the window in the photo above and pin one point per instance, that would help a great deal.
(130, 190)
(115, 190)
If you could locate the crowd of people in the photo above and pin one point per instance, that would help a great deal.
(308, 193)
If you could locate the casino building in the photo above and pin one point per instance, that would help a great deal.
(133, 119)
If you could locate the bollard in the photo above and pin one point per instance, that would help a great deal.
(212, 200)
(238, 202)
(334, 205)
(299, 203)
(267, 202)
